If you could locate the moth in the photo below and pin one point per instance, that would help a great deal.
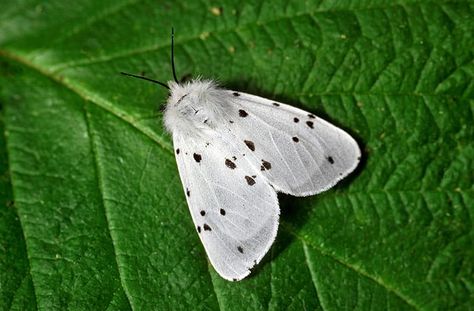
(235, 152)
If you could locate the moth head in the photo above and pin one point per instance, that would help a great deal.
(191, 105)
(194, 92)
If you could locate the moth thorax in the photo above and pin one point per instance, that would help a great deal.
(193, 106)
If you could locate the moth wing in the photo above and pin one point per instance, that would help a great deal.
(299, 153)
(234, 208)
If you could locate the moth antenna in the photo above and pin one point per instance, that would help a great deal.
(172, 56)
(145, 78)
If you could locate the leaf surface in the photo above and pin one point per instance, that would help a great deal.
(92, 211)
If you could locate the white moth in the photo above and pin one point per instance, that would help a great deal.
(234, 152)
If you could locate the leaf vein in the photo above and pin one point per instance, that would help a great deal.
(359, 271)
(98, 173)
(313, 277)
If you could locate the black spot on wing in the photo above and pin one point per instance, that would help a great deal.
(207, 228)
(230, 164)
(197, 157)
(310, 124)
(296, 120)
(267, 165)
(203, 213)
(222, 211)
(240, 249)
(276, 104)
(188, 193)
(296, 139)
(177, 151)
(330, 160)
(250, 180)
(236, 94)
(250, 144)
(243, 113)
(311, 116)
(199, 229)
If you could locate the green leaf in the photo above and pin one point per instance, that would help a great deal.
(92, 211)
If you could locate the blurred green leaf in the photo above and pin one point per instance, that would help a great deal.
(92, 212)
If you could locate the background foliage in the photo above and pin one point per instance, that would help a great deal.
(92, 212)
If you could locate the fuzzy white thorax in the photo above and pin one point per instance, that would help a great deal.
(194, 107)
